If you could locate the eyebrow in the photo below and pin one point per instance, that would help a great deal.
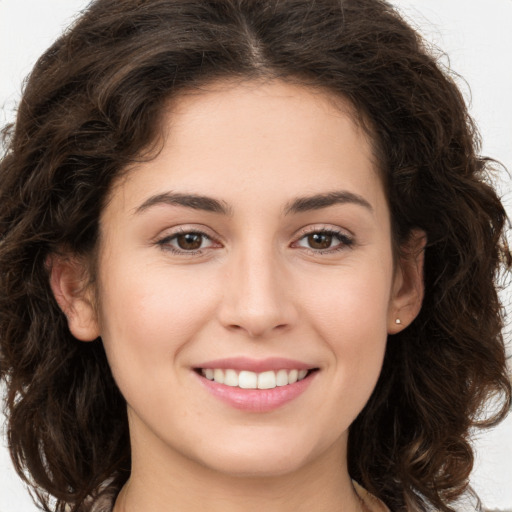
(194, 201)
(319, 201)
(298, 205)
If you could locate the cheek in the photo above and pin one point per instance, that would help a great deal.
(353, 301)
(148, 315)
(351, 318)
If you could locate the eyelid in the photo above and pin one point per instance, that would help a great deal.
(315, 228)
(324, 228)
(180, 229)
(346, 238)
(164, 238)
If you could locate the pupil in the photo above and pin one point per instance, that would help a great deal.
(320, 240)
(190, 241)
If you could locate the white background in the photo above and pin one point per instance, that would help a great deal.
(476, 35)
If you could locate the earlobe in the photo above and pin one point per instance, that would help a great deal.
(68, 281)
(408, 287)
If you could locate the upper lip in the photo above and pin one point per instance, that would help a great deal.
(256, 365)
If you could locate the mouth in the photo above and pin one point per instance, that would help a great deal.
(256, 385)
(245, 379)
(256, 392)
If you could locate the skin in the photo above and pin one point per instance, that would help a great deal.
(256, 288)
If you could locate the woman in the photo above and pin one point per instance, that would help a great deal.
(250, 259)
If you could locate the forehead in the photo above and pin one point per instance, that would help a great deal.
(233, 136)
(256, 104)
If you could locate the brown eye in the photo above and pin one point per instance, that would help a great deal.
(320, 240)
(325, 241)
(190, 241)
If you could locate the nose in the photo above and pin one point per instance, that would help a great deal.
(258, 296)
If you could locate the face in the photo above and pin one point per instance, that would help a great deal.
(254, 250)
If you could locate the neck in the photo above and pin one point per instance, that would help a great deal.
(163, 480)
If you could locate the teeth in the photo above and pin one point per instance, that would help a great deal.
(267, 380)
(230, 378)
(251, 380)
(282, 378)
(247, 380)
(218, 376)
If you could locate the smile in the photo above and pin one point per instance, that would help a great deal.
(258, 390)
(251, 380)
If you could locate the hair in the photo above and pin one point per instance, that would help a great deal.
(92, 106)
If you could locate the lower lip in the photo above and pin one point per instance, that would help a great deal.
(257, 400)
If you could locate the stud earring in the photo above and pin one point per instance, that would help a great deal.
(398, 321)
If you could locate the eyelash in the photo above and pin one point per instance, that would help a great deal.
(165, 242)
(345, 241)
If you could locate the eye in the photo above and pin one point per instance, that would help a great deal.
(319, 240)
(190, 241)
(323, 241)
(186, 242)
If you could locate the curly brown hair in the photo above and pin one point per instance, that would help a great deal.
(90, 108)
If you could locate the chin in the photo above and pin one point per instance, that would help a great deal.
(257, 466)
(260, 460)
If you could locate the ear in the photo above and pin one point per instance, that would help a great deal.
(408, 285)
(69, 283)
